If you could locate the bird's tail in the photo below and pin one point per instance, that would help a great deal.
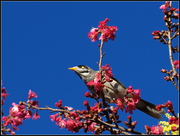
(149, 109)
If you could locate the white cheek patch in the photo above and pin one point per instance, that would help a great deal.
(85, 73)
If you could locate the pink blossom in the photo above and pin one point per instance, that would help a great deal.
(104, 35)
(169, 105)
(16, 121)
(28, 114)
(90, 83)
(62, 124)
(119, 103)
(108, 72)
(4, 93)
(17, 110)
(6, 120)
(136, 95)
(53, 117)
(93, 36)
(59, 104)
(157, 129)
(31, 94)
(176, 62)
(96, 83)
(86, 103)
(103, 23)
(106, 32)
(173, 128)
(68, 108)
(58, 120)
(115, 110)
(3, 90)
(159, 107)
(164, 7)
(71, 125)
(173, 120)
(155, 32)
(12, 132)
(130, 89)
(92, 127)
(15, 128)
(111, 37)
(35, 116)
(87, 94)
(130, 105)
(113, 29)
(98, 86)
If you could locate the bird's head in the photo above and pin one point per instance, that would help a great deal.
(84, 72)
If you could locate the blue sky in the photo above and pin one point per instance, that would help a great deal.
(41, 40)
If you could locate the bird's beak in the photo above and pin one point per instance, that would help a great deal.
(73, 68)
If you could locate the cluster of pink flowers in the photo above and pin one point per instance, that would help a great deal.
(172, 10)
(156, 130)
(173, 120)
(105, 31)
(3, 95)
(74, 123)
(130, 102)
(97, 80)
(93, 110)
(176, 62)
(156, 34)
(108, 72)
(168, 105)
(18, 113)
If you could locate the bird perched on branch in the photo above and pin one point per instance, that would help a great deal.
(114, 90)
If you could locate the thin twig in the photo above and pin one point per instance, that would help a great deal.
(169, 46)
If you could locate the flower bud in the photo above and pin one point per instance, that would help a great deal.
(163, 70)
(166, 78)
(134, 123)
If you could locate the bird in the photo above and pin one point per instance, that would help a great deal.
(87, 74)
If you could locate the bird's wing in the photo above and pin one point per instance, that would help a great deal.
(118, 82)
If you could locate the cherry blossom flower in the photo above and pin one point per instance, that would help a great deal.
(62, 124)
(53, 117)
(35, 116)
(59, 104)
(16, 121)
(169, 105)
(87, 94)
(129, 90)
(165, 6)
(103, 24)
(136, 95)
(155, 32)
(159, 107)
(68, 108)
(130, 105)
(93, 34)
(157, 129)
(4, 93)
(108, 72)
(31, 94)
(28, 114)
(173, 120)
(106, 32)
(176, 62)
(86, 103)
(17, 110)
(119, 103)
(92, 127)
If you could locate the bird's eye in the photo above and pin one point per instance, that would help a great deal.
(82, 66)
